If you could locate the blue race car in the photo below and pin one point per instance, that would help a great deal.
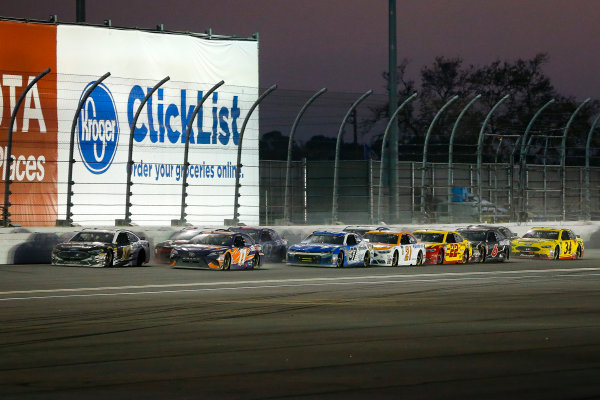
(337, 249)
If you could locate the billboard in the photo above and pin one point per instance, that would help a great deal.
(138, 60)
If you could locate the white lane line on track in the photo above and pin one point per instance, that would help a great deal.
(310, 283)
(341, 278)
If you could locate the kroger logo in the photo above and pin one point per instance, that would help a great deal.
(98, 130)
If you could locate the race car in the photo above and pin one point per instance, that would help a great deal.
(550, 243)
(162, 250)
(362, 229)
(219, 249)
(337, 249)
(102, 248)
(487, 244)
(273, 246)
(444, 247)
(395, 248)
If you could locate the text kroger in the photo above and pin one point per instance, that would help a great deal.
(167, 123)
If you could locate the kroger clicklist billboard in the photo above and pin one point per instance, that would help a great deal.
(138, 60)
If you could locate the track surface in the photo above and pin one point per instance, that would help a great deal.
(522, 329)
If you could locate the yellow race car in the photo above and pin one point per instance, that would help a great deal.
(444, 247)
(550, 243)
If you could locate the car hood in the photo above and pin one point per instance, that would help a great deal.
(200, 248)
(81, 245)
(383, 246)
(533, 241)
(312, 247)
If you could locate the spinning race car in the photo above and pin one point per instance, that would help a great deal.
(334, 249)
(551, 243)
(395, 248)
(487, 244)
(444, 247)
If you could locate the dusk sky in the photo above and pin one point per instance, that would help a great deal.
(342, 44)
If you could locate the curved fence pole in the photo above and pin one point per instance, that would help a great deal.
(588, 207)
(286, 211)
(68, 221)
(334, 205)
(238, 171)
(425, 150)
(8, 155)
(127, 220)
(451, 152)
(563, 160)
(511, 176)
(480, 151)
(382, 163)
(186, 152)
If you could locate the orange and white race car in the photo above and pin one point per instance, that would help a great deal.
(395, 248)
(444, 247)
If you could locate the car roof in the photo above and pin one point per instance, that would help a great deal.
(389, 232)
(433, 231)
(329, 233)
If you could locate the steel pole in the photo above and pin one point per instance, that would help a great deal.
(288, 166)
(334, 205)
(425, 149)
(563, 159)
(238, 171)
(391, 168)
(127, 220)
(587, 169)
(382, 163)
(480, 151)
(8, 155)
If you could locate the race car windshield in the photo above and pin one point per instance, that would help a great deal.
(474, 236)
(103, 237)
(430, 237)
(213, 239)
(551, 235)
(381, 238)
(325, 239)
(255, 235)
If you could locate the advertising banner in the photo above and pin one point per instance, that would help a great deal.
(136, 61)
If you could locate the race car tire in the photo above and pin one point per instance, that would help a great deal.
(256, 261)
(108, 260)
(395, 259)
(141, 258)
(366, 260)
(282, 255)
(482, 255)
(440, 259)
(340, 260)
(557, 253)
(226, 262)
(465, 257)
(578, 253)
(505, 255)
(419, 261)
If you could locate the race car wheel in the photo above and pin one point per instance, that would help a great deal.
(440, 259)
(395, 259)
(141, 258)
(340, 260)
(419, 259)
(557, 253)
(366, 260)
(482, 255)
(226, 262)
(108, 260)
(256, 261)
(465, 257)
(578, 253)
(505, 255)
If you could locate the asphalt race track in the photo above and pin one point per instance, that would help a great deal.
(526, 329)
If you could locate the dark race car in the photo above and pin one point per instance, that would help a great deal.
(273, 246)
(102, 248)
(362, 229)
(162, 251)
(488, 243)
(218, 250)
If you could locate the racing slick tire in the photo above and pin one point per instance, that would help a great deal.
(505, 255)
(226, 262)
(419, 261)
(578, 253)
(481, 255)
(366, 260)
(108, 260)
(465, 257)
(340, 260)
(141, 258)
(395, 259)
(256, 261)
(557, 253)
(440, 259)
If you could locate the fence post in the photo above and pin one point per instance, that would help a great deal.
(238, 171)
(588, 208)
(382, 163)
(563, 160)
(337, 155)
(425, 148)
(127, 220)
(480, 151)
(288, 166)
